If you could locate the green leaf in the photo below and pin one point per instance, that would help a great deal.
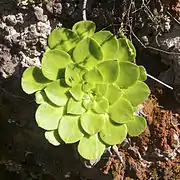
(90, 147)
(54, 63)
(101, 89)
(101, 106)
(33, 80)
(109, 70)
(113, 133)
(87, 87)
(142, 73)
(127, 51)
(108, 43)
(53, 137)
(121, 111)
(91, 122)
(75, 107)
(47, 116)
(84, 28)
(66, 39)
(88, 104)
(93, 76)
(128, 75)
(136, 126)
(73, 74)
(56, 92)
(113, 93)
(40, 97)
(69, 129)
(137, 93)
(87, 52)
(77, 92)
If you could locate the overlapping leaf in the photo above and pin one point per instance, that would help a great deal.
(33, 80)
(66, 39)
(54, 63)
(90, 147)
(69, 129)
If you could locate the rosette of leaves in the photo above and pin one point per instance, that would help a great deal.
(88, 89)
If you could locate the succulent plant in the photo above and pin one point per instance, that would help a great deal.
(88, 89)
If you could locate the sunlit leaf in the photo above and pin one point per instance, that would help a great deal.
(33, 80)
(56, 92)
(101, 106)
(92, 122)
(53, 137)
(109, 70)
(77, 92)
(128, 75)
(93, 76)
(66, 39)
(121, 111)
(84, 28)
(88, 104)
(126, 51)
(69, 129)
(54, 63)
(47, 116)
(87, 52)
(75, 107)
(87, 87)
(137, 93)
(136, 126)
(142, 73)
(113, 93)
(101, 89)
(113, 133)
(41, 98)
(73, 74)
(108, 43)
(90, 147)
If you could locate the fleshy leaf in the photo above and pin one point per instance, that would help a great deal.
(88, 104)
(87, 87)
(66, 39)
(92, 122)
(54, 63)
(142, 73)
(47, 116)
(101, 106)
(53, 137)
(108, 43)
(126, 51)
(73, 74)
(101, 89)
(84, 28)
(136, 126)
(90, 147)
(41, 98)
(33, 80)
(93, 76)
(56, 92)
(113, 93)
(113, 133)
(137, 93)
(74, 107)
(77, 92)
(128, 74)
(69, 129)
(87, 52)
(121, 111)
(109, 70)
